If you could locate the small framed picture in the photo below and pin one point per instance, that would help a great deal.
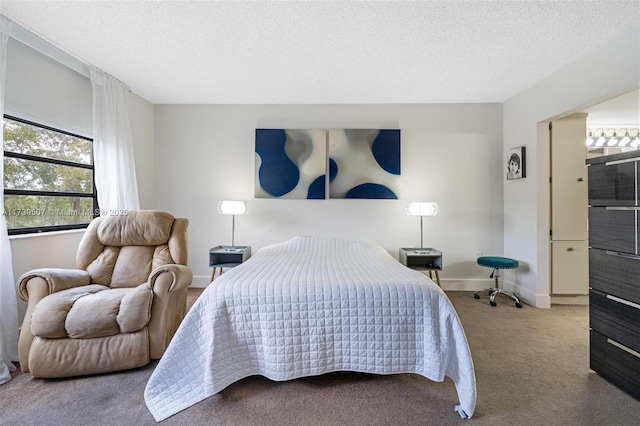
(516, 163)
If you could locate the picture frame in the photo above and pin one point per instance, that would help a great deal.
(516, 163)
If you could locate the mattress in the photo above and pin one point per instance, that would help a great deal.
(309, 306)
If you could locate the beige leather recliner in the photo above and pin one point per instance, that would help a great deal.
(119, 309)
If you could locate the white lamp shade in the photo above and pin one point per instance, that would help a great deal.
(232, 207)
(422, 208)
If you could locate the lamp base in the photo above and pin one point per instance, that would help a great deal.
(233, 249)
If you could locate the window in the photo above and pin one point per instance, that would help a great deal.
(48, 178)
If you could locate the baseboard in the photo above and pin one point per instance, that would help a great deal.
(532, 299)
(200, 281)
(561, 299)
(528, 297)
(465, 285)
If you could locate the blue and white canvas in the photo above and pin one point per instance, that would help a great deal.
(291, 163)
(364, 163)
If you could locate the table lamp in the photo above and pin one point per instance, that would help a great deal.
(422, 208)
(233, 208)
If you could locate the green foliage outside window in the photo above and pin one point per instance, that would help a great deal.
(48, 178)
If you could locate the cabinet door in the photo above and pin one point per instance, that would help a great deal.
(612, 184)
(569, 267)
(569, 179)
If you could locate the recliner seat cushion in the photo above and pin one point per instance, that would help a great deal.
(92, 311)
(50, 314)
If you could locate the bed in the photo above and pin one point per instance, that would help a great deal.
(309, 306)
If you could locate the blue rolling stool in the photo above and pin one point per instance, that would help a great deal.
(497, 263)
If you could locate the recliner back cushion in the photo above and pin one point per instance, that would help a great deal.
(161, 256)
(128, 266)
(132, 266)
(121, 251)
(101, 269)
(137, 228)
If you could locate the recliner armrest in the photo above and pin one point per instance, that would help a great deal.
(181, 276)
(169, 284)
(55, 278)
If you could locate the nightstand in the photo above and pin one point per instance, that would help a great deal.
(227, 257)
(422, 259)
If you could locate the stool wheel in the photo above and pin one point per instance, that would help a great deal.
(519, 305)
(492, 303)
(476, 296)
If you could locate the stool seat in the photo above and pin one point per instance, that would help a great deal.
(497, 262)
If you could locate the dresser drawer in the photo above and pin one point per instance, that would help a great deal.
(614, 273)
(613, 184)
(620, 366)
(613, 228)
(615, 318)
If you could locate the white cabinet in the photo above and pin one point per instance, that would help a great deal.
(569, 272)
(569, 213)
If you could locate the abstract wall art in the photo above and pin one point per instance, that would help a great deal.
(364, 163)
(290, 163)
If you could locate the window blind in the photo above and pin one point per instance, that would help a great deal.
(45, 91)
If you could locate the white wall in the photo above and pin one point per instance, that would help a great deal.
(451, 154)
(141, 120)
(607, 72)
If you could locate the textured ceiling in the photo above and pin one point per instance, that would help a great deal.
(323, 52)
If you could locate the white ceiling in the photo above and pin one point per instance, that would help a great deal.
(620, 112)
(326, 52)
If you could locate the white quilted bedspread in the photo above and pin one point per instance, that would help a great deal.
(309, 306)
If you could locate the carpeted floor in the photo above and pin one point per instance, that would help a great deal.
(532, 368)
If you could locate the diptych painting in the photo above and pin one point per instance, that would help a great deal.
(292, 163)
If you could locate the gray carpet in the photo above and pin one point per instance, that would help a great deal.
(532, 368)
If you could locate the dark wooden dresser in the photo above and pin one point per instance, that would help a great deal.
(614, 269)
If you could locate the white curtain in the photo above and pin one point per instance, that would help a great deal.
(112, 145)
(8, 302)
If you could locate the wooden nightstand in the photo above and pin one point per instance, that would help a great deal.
(227, 257)
(422, 259)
